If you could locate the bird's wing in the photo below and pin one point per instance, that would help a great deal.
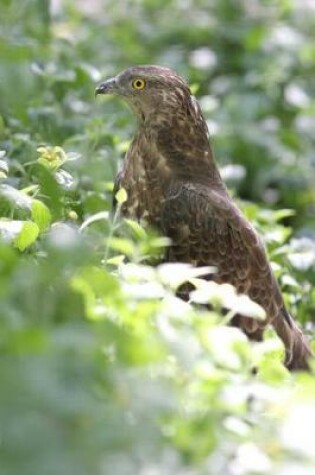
(207, 228)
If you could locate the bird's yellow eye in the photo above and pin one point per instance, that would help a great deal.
(138, 84)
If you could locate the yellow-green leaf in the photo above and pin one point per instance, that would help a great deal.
(40, 215)
(121, 196)
(27, 235)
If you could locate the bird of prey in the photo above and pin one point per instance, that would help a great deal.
(173, 184)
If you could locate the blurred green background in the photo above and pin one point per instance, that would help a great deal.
(97, 375)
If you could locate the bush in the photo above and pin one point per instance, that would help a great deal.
(103, 368)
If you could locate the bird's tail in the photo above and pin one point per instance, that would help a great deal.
(297, 348)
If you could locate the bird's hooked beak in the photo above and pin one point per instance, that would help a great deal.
(107, 87)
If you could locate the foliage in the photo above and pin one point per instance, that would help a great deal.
(103, 369)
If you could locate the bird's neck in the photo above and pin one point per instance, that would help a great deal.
(182, 147)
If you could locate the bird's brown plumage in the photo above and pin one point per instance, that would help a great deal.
(173, 184)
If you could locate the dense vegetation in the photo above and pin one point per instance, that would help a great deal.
(103, 370)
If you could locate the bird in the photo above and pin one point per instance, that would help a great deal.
(173, 184)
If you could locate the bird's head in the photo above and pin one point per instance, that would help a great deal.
(174, 125)
(148, 89)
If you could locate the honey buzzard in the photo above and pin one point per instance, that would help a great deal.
(174, 185)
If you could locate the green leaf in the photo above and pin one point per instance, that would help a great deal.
(27, 235)
(101, 216)
(124, 246)
(121, 196)
(175, 274)
(116, 260)
(40, 215)
(284, 213)
(138, 230)
(225, 296)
